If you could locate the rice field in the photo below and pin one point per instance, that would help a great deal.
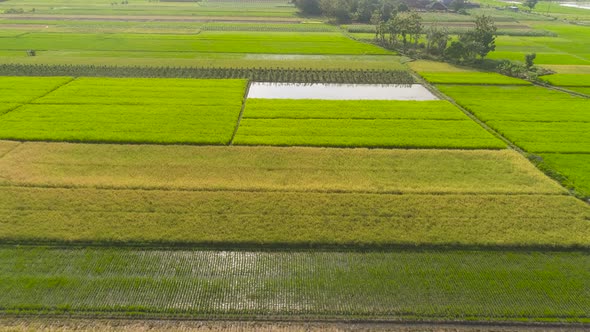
(207, 60)
(128, 110)
(192, 111)
(584, 90)
(546, 122)
(474, 285)
(550, 121)
(289, 219)
(21, 90)
(541, 137)
(212, 9)
(575, 168)
(132, 195)
(568, 48)
(204, 42)
(471, 78)
(377, 124)
(568, 80)
(213, 168)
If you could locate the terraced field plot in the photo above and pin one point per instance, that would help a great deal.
(129, 110)
(158, 283)
(413, 124)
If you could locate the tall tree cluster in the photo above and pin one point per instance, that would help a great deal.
(404, 30)
(344, 11)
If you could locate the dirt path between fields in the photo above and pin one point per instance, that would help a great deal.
(63, 325)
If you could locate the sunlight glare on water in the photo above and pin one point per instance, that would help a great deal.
(265, 90)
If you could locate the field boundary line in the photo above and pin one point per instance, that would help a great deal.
(288, 247)
(244, 100)
(263, 190)
(347, 324)
(297, 248)
(37, 98)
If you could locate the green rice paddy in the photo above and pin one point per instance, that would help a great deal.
(128, 110)
(471, 78)
(376, 124)
(203, 42)
(534, 124)
(475, 285)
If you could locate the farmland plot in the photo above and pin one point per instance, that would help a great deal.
(569, 48)
(551, 121)
(19, 90)
(574, 82)
(271, 168)
(130, 110)
(204, 42)
(157, 10)
(547, 122)
(574, 167)
(471, 78)
(479, 285)
(584, 90)
(382, 126)
(62, 193)
(540, 137)
(290, 219)
(569, 80)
